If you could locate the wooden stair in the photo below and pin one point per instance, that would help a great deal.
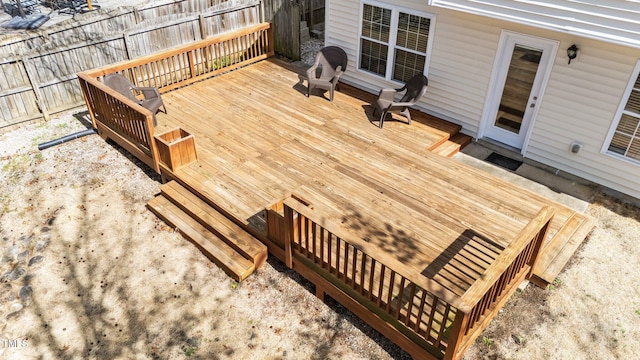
(453, 145)
(220, 239)
(557, 251)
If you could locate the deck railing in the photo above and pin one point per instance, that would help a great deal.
(441, 323)
(121, 119)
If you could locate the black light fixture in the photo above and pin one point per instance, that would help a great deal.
(572, 52)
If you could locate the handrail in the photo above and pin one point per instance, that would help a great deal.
(128, 64)
(131, 125)
(121, 116)
(413, 275)
(492, 274)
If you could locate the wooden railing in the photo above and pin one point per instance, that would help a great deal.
(442, 324)
(482, 301)
(130, 125)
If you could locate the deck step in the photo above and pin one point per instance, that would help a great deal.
(557, 252)
(453, 145)
(236, 237)
(232, 262)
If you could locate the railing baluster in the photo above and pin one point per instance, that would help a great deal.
(420, 311)
(363, 270)
(306, 237)
(371, 276)
(346, 262)
(354, 268)
(432, 314)
(390, 292)
(410, 306)
(443, 326)
(313, 243)
(329, 254)
(380, 285)
(322, 248)
(338, 245)
(400, 298)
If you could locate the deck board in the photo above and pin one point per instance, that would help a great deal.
(260, 138)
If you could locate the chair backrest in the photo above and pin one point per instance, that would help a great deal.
(416, 87)
(120, 84)
(334, 57)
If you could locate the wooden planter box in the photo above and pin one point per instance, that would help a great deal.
(176, 148)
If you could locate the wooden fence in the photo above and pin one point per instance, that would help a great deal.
(40, 77)
(427, 320)
(130, 125)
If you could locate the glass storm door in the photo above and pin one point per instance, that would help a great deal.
(522, 68)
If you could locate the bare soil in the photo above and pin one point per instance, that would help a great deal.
(88, 272)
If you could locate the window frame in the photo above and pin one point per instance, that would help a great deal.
(618, 116)
(393, 37)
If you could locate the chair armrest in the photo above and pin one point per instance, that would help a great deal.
(339, 72)
(148, 91)
(387, 94)
(403, 104)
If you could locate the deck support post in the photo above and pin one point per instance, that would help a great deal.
(458, 329)
(320, 293)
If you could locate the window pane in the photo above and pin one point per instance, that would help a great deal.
(634, 149)
(628, 125)
(619, 143)
(373, 57)
(634, 102)
(413, 32)
(626, 139)
(376, 23)
(407, 64)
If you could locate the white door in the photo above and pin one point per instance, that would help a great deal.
(522, 68)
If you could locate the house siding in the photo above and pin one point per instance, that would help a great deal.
(578, 105)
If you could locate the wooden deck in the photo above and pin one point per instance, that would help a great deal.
(260, 139)
(424, 248)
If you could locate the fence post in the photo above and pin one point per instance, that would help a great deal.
(32, 76)
(202, 27)
(127, 45)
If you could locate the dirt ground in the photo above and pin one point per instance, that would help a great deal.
(87, 272)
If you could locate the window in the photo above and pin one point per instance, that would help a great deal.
(625, 137)
(394, 43)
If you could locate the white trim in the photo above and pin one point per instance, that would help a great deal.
(499, 71)
(392, 44)
(616, 120)
(564, 24)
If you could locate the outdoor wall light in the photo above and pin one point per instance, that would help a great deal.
(572, 52)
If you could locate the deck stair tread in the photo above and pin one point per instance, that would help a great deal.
(232, 262)
(215, 222)
(557, 252)
(452, 145)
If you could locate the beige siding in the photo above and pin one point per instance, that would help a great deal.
(456, 88)
(579, 103)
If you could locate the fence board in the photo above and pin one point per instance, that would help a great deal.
(55, 57)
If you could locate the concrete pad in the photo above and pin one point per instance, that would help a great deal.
(569, 192)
